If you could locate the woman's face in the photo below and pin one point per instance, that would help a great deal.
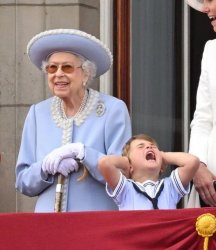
(64, 84)
(210, 10)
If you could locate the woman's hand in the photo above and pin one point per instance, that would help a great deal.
(65, 167)
(52, 161)
(203, 183)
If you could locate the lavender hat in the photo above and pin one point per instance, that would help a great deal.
(196, 4)
(41, 46)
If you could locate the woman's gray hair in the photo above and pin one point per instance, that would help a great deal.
(87, 66)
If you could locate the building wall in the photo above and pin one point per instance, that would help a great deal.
(21, 83)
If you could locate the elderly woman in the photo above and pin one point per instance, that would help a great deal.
(76, 125)
(203, 125)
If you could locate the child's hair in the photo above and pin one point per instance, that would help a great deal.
(126, 148)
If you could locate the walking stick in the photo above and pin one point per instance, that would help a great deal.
(59, 192)
(60, 185)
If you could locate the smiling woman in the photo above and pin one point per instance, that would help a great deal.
(71, 130)
(67, 79)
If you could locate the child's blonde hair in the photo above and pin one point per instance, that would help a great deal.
(126, 148)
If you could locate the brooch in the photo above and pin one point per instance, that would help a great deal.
(100, 108)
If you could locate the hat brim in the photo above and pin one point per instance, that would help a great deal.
(196, 4)
(70, 40)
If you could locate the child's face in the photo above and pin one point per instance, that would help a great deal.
(145, 155)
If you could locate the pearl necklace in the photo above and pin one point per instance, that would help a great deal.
(82, 106)
(62, 121)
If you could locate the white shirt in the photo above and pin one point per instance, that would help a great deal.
(127, 198)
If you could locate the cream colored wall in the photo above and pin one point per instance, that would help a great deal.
(21, 84)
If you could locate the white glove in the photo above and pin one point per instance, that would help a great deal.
(67, 166)
(52, 160)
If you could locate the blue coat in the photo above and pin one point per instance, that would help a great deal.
(101, 134)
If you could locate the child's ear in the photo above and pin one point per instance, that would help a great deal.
(163, 167)
(131, 170)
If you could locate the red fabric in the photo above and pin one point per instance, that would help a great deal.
(129, 230)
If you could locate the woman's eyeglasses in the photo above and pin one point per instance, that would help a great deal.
(66, 68)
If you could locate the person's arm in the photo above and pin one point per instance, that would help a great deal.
(201, 128)
(202, 123)
(110, 167)
(188, 164)
(30, 180)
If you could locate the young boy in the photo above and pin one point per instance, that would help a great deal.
(143, 163)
